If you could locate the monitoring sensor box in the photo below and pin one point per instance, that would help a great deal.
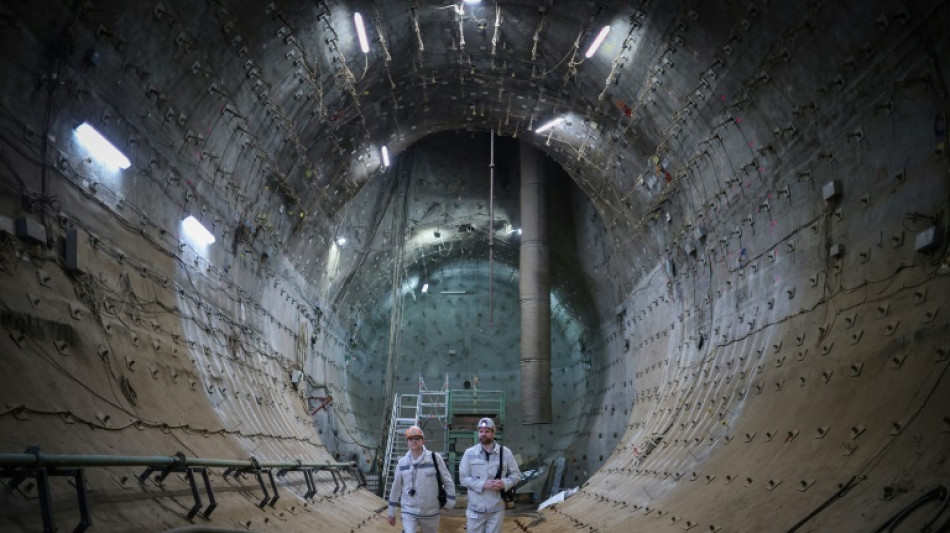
(6, 225)
(30, 231)
(928, 239)
(831, 190)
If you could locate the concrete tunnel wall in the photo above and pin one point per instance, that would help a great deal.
(756, 378)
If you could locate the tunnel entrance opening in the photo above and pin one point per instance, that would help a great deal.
(420, 300)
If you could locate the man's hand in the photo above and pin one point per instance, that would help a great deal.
(494, 484)
(392, 520)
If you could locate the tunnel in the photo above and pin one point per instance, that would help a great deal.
(689, 255)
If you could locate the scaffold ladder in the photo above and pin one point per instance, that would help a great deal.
(433, 414)
(421, 410)
(404, 415)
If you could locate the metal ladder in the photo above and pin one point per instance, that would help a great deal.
(433, 406)
(415, 410)
(404, 415)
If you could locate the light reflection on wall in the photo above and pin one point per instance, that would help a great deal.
(196, 236)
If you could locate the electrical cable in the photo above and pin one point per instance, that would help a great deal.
(879, 456)
(894, 521)
(834, 497)
(938, 71)
(127, 302)
(141, 424)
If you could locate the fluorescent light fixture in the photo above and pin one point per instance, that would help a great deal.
(425, 288)
(100, 147)
(197, 232)
(385, 156)
(361, 32)
(597, 42)
(340, 241)
(473, 1)
(549, 125)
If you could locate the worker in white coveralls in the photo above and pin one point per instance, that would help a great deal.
(479, 471)
(416, 487)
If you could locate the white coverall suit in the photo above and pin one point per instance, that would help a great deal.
(486, 509)
(416, 491)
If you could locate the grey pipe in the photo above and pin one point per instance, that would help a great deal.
(535, 290)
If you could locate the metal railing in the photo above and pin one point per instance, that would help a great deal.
(477, 402)
(17, 467)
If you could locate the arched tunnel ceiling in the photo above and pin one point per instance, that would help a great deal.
(284, 117)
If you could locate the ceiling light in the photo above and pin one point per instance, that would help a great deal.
(340, 241)
(473, 1)
(361, 32)
(196, 232)
(385, 156)
(549, 125)
(100, 147)
(425, 288)
(597, 42)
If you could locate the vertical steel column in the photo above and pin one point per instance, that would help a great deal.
(535, 290)
(46, 507)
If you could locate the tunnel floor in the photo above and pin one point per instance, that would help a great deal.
(453, 520)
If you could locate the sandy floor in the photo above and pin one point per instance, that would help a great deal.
(453, 521)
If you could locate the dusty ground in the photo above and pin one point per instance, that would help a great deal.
(453, 521)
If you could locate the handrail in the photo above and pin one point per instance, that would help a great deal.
(387, 460)
(37, 460)
(477, 402)
(19, 466)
